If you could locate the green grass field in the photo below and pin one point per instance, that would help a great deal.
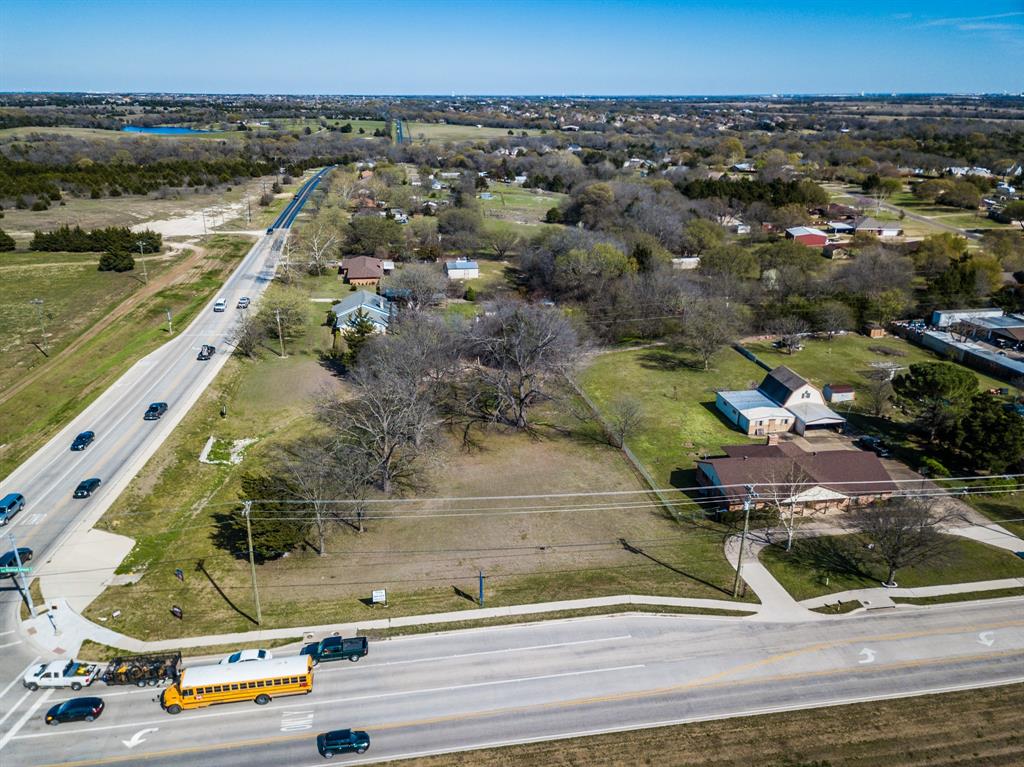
(445, 132)
(70, 382)
(845, 564)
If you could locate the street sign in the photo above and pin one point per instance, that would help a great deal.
(13, 570)
(380, 597)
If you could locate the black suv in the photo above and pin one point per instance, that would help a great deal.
(75, 710)
(336, 648)
(87, 487)
(206, 352)
(10, 560)
(342, 741)
(874, 445)
(83, 440)
(154, 411)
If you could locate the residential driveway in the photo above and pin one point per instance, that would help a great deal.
(823, 440)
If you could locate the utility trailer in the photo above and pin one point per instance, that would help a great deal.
(143, 670)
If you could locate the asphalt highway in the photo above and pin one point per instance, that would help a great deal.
(124, 441)
(473, 689)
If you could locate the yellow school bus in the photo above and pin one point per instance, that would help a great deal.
(258, 680)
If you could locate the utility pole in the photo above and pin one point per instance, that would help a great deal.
(21, 575)
(170, 327)
(280, 335)
(248, 210)
(252, 562)
(145, 274)
(38, 302)
(204, 221)
(743, 539)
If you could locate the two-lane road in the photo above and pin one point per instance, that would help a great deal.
(530, 682)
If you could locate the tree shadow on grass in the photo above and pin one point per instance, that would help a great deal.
(201, 567)
(637, 550)
(829, 554)
(668, 361)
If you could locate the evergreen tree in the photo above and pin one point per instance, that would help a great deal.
(6, 241)
(360, 330)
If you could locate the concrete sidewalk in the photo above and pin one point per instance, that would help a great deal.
(877, 597)
(68, 630)
(776, 602)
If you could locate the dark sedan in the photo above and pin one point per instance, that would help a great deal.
(9, 559)
(87, 487)
(206, 352)
(83, 440)
(154, 411)
(75, 710)
(342, 741)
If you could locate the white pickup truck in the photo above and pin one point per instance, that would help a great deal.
(61, 673)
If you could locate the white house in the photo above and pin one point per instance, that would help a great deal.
(377, 308)
(462, 269)
(783, 402)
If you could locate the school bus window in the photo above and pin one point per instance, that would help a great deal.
(187, 692)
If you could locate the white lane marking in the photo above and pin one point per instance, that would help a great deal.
(987, 638)
(9, 644)
(334, 701)
(19, 677)
(15, 706)
(137, 738)
(492, 652)
(24, 718)
(294, 721)
(685, 720)
(34, 519)
(867, 655)
(5, 633)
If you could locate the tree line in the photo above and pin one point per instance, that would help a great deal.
(111, 239)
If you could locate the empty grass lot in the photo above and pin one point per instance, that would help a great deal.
(909, 732)
(518, 205)
(846, 564)
(447, 132)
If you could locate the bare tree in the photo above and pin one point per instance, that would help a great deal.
(789, 329)
(247, 334)
(625, 417)
(310, 469)
(832, 317)
(878, 393)
(502, 241)
(318, 248)
(781, 491)
(520, 348)
(422, 285)
(903, 532)
(708, 325)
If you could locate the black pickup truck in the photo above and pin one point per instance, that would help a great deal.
(336, 648)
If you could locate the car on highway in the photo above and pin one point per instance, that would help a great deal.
(342, 741)
(9, 559)
(206, 352)
(87, 487)
(10, 505)
(243, 302)
(154, 411)
(75, 710)
(83, 440)
(220, 305)
(246, 655)
(336, 648)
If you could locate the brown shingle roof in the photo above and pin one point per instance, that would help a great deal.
(363, 268)
(844, 471)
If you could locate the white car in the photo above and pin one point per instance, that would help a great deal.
(220, 305)
(243, 655)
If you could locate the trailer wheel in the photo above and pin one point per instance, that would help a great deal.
(141, 683)
(262, 700)
(152, 682)
(76, 686)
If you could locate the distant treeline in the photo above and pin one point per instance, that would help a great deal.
(20, 179)
(776, 193)
(112, 239)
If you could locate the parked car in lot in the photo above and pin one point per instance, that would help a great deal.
(87, 487)
(874, 445)
(154, 411)
(83, 440)
(337, 648)
(10, 505)
(75, 710)
(9, 559)
(243, 302)
(206, 352)
(245, 655)
(220, 305)
(342, 741)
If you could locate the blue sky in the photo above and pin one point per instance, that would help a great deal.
(554, 47)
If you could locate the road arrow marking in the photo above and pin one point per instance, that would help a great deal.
(867, 656)
(137, 737)
(987, 638)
